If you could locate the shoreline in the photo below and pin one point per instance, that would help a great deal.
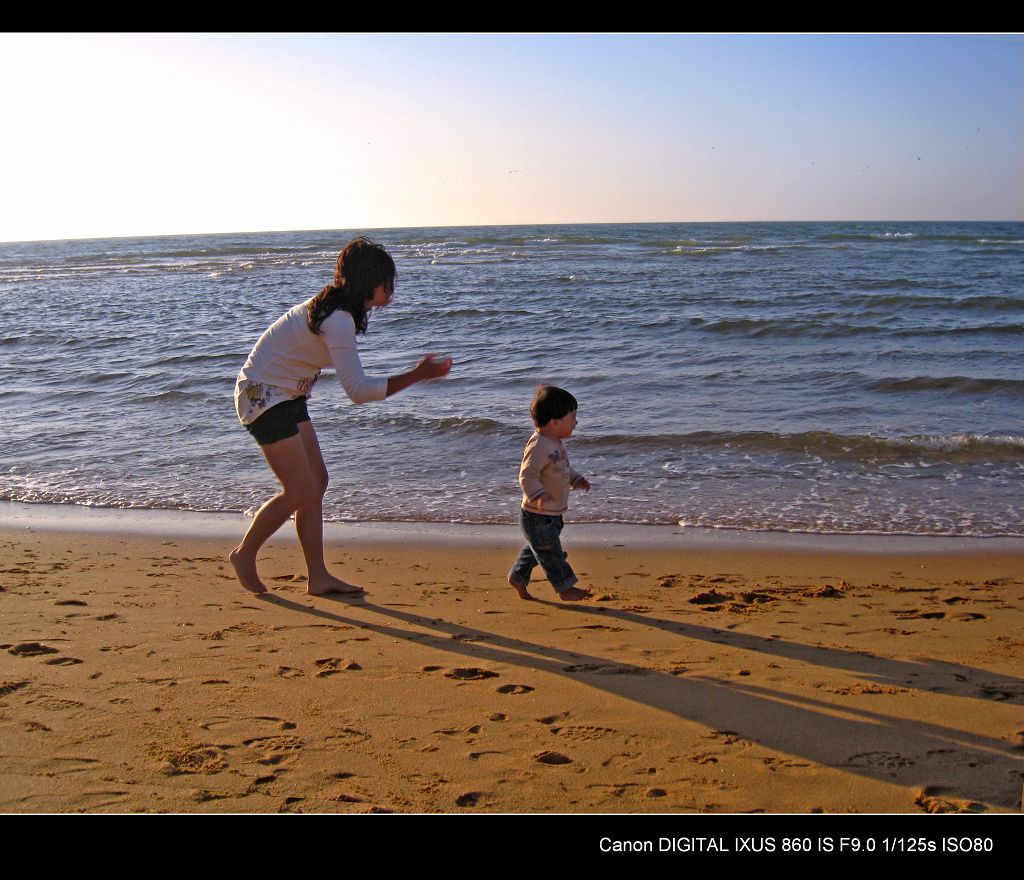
(73, 518)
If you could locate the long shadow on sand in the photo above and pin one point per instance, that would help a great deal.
(925, 674)
(868, 743)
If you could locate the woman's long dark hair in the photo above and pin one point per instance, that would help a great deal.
(362, 267)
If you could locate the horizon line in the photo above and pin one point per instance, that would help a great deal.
(481, 226)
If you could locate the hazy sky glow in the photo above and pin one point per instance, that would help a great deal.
(154, 134)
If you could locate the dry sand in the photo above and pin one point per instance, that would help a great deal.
(137, 676)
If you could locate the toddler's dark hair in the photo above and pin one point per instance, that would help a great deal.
(551, 403)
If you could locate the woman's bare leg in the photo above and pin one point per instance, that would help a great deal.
(300, 486)
(309, 523)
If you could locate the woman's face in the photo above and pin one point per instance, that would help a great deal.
(381, 297)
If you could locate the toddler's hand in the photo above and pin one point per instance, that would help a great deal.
(581, 483)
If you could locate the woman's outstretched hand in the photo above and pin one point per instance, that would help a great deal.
(431, 366)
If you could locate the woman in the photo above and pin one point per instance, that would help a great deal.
(271, 393)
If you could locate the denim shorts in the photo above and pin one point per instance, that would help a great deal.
(279, 422)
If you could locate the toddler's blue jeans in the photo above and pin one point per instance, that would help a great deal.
(544, 549)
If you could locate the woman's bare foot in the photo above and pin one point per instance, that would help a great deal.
(328, 583)
(522, 591)
(245, 570)
(574, 594)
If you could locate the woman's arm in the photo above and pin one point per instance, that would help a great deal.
(339, 332)
(340, 336)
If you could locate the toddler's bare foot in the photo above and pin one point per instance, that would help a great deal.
(328, 583)
(522, 591)
(574, 594)
(245, 570)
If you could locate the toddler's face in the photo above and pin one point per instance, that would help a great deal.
(565, 425)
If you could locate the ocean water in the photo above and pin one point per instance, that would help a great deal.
(811, 377)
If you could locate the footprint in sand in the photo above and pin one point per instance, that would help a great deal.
(552, 758)
(333, 665)
(710, 597)
(189, 759)
(347, 736)
(202, 796)
(670, 581)
(515, 689)
(469, 799)
(262, 780)
(275, 749)
(756, 598)
(288, 672)
(77, 602)
(998, 694)
(242, 629)
(470, 673)
(241, 724)
(63, 661)
(457, 731)
(31, 649)
(774, 764)
(956, 758)
(345, 798)
(889, 760)
(9, 687)
(605, 669)
(582, 731)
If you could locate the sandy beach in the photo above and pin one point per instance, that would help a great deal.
(774, 676)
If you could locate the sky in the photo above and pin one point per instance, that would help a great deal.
(151, 134)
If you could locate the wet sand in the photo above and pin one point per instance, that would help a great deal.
(137, 676)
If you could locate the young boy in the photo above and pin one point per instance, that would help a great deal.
(546, 478)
